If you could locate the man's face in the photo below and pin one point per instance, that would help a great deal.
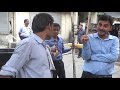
(27, 23)
(50, 32)
(56, 30)
(80, 26)
(103, 27)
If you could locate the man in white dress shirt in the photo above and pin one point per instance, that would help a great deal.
(31, 57)
(25, 31)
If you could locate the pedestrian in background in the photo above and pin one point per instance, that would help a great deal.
(25, 31)
(79, 33)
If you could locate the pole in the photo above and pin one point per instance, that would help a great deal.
(88, 23)
(73, 45)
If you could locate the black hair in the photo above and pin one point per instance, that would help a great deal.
(25, 20)
(81, 25)
(40, 21)
(56, 25)
(106, 18)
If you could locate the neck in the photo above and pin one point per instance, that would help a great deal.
(103, 36)
(26, 25)
(42, 35)
(55, 37)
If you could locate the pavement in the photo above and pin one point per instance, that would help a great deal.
(68, 63)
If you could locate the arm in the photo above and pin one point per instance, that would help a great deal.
(65, 50)
(77, 32)
(23, 35)
(20, 33)
(5, 76)
(110, 57)
(86, 50)
(17, 60)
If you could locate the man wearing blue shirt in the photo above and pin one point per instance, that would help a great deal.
(79, 33)
(57, 49)
(100, 50)
(25, 31)
(31, 57)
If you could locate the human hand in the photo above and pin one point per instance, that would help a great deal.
(84, 38)
(53, 48)
(56, 53)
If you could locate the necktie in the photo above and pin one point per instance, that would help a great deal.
(51, 64)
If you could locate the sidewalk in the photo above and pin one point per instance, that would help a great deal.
(68, 62)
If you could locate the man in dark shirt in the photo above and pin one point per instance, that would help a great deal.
(79, 33)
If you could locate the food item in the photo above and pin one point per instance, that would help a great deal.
(53, 48)
(76, 45)
(56, 53)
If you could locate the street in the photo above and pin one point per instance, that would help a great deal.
(68, 63)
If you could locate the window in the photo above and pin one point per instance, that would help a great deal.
(4, 24)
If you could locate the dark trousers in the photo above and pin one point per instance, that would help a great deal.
(60, 71)
(21, 37)
(80, 52)
(90, 75)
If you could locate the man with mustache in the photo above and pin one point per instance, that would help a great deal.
(56, 44)
(100, 50)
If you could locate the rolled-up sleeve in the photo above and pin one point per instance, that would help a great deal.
(17, 60)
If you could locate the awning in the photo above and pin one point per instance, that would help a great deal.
(113, 14)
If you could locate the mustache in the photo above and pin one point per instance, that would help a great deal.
(102, 30)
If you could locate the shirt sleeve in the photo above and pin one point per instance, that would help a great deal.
(86, 51)
(20, 30)
(17, 60)
(64, 50)
(24, 35)
(47, 42)
(110, 57)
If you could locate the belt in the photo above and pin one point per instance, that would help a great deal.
(104, 76)
(98, 76)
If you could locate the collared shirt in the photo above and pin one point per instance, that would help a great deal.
(79, 34)
(100, 55)
(25, 31)
(29, 60)
(59, 43)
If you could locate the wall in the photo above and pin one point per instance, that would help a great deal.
(94, 17)
(5, 28)
(66, 26)
(19, 22)
(55, 15)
